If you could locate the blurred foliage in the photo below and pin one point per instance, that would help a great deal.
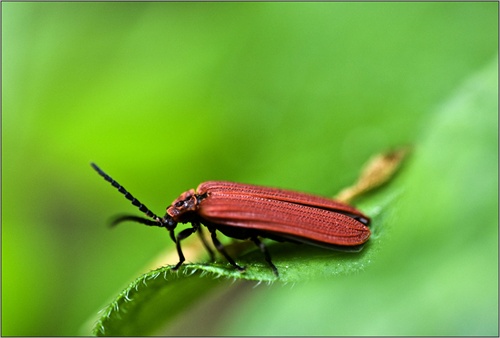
(164, 96)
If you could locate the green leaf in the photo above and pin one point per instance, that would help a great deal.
(154, 299)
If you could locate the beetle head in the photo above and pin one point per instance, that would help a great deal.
(168, 222)
(184, 207)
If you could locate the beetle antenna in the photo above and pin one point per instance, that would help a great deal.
(128, 196)
(119, 219)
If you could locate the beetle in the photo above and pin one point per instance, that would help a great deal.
(244, 211)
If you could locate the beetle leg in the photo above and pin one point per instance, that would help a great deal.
(204, 241)
(222, 250)
(267, 256)
(183, 234)
(172, 235)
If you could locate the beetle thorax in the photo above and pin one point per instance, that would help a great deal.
(184, 207)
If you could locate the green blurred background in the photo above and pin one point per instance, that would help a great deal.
(164, 96)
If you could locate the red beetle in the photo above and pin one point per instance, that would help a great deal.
(244, 211)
